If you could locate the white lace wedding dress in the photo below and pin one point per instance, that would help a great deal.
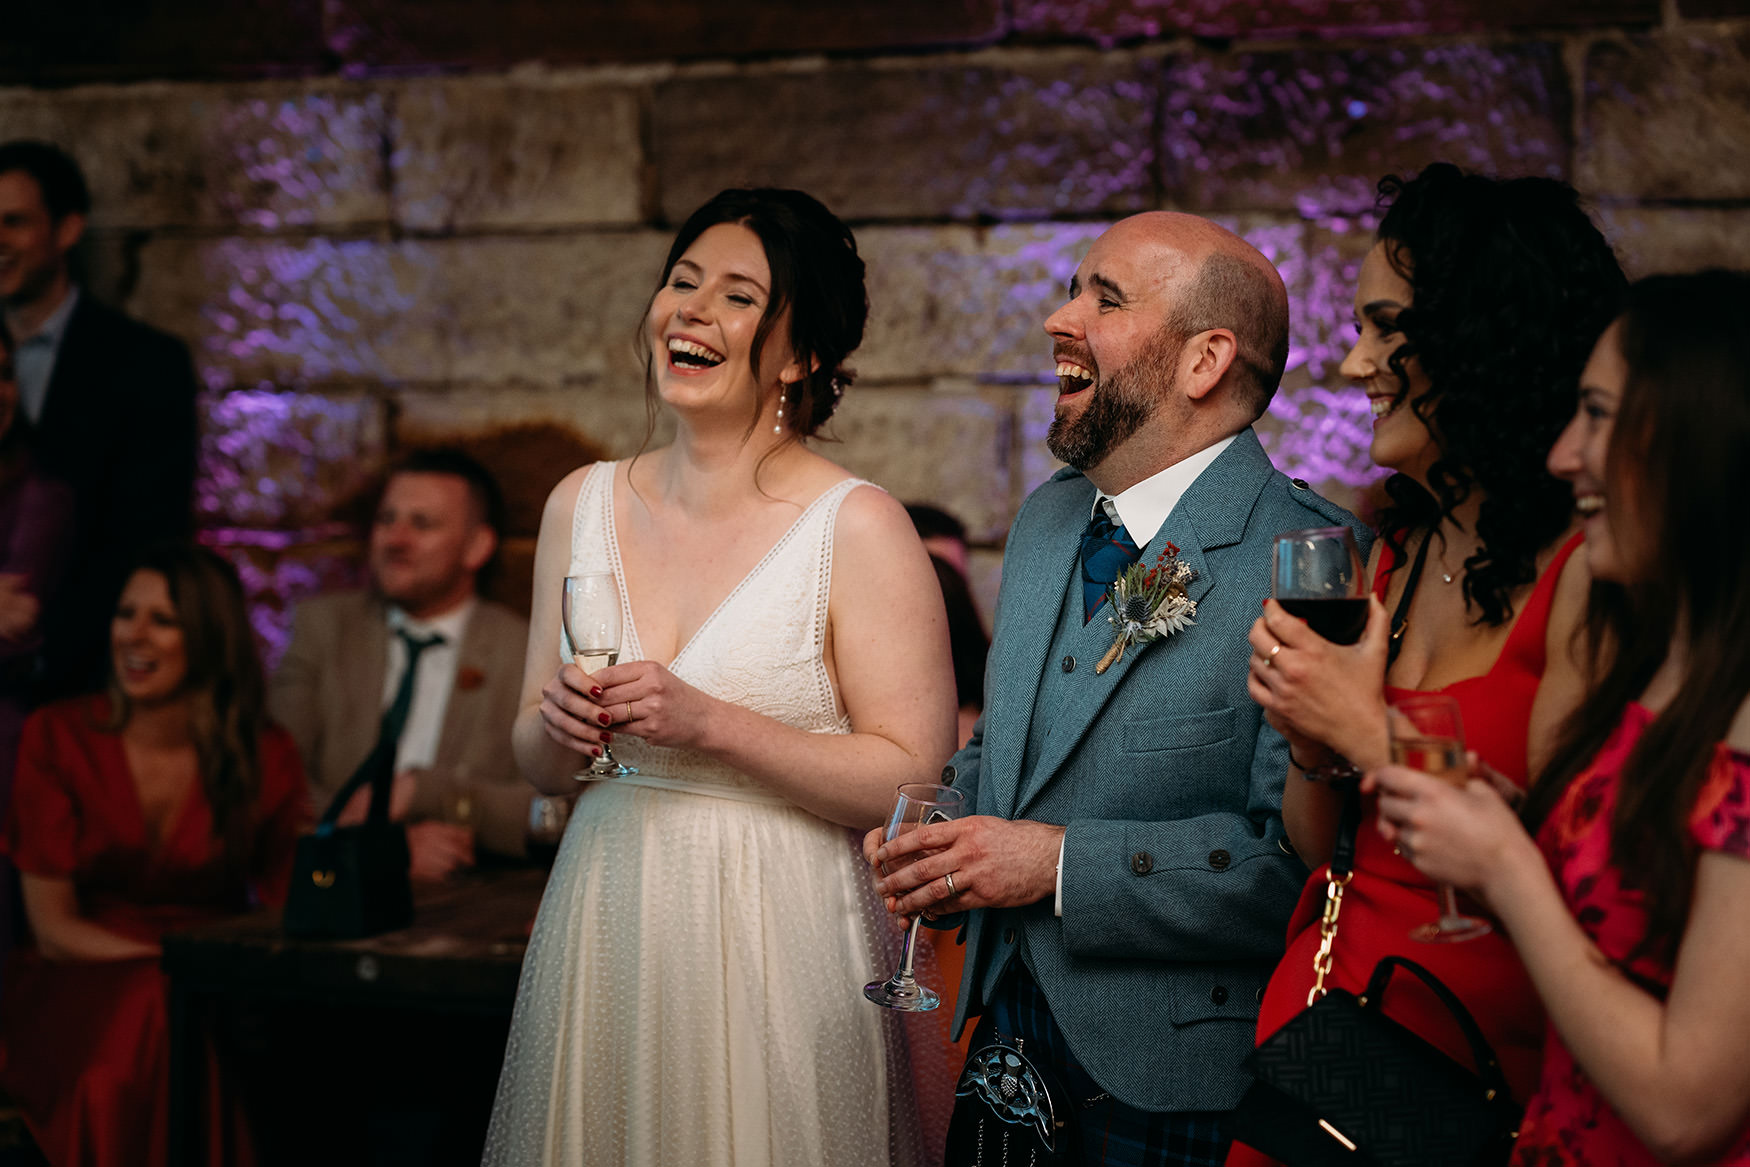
(692, 989)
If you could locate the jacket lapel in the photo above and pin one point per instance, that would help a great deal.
(1070, 722)
(466, 708)
(363, 658)
(1221, 500)
(1036, 578)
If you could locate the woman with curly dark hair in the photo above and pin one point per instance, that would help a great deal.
(1476, 310)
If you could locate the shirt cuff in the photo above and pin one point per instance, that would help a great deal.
(1057, 910)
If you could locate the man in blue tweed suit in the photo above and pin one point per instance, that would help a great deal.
(1124, 865)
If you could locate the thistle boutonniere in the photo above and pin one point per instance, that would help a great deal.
(1149, 603)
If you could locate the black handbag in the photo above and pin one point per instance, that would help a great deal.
(1342, 1083)
(349, 882)
(1014, 1113)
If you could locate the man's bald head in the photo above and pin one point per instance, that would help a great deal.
(1222, 282)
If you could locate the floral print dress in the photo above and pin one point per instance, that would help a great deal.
(1568, 1121)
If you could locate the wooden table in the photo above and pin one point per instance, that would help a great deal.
(462, 954)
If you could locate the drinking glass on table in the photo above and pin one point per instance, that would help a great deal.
(917, 804)
(590, 610)
(1427, 735)
(1316, 574)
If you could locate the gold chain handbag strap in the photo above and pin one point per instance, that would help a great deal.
(1337, 877)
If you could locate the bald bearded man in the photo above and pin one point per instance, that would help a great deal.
(1125, 875)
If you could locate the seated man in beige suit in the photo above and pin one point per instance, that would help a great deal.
(456, 787)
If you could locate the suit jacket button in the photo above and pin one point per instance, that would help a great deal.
(1008, 935)
(948, 775)
(1259, 995)
(1142, 863)
(1218, 995)
(1220, 859)
(1069, 664)
(1299, 484)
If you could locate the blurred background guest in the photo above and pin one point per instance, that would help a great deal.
(1475, 313)
(1629, 906)
(36, 515)
(166, 801)
(421, 623)
(112, 402)
(944, 537)
(689, 993)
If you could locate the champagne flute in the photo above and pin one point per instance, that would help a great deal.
(917, 804)
(1316, 574)
(1427, 735)
(591, 614)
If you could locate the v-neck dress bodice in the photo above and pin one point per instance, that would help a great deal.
(762, 647)
(692, 989)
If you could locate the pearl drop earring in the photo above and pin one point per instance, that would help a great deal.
(782, 393)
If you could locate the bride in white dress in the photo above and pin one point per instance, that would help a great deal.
(692, 989)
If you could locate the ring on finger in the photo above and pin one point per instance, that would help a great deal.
(949, 880)
(628, 711)
(1270, 657)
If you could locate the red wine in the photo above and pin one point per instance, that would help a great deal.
(1338, 621)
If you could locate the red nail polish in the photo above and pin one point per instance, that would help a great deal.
(606, 736)
(604, 719)
(594, 753)
(595, 691)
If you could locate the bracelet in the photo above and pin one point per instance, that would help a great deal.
(1339, 771)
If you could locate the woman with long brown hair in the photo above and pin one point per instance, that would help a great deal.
(169, 800)
(1627, 899)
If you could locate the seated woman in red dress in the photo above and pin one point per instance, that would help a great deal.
(167, 801)
(1630, 906)
(1475, 312)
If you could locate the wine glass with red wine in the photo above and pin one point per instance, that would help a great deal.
(1316, 575)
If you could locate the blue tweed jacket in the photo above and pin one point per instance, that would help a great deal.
(1177, 877)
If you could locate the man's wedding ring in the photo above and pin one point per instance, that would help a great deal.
(1270, 659)
(949, 880)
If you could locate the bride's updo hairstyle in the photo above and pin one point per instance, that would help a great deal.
(816, 274)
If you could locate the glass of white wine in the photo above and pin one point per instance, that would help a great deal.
(1428, 735)
(916, 804)
(590, 610)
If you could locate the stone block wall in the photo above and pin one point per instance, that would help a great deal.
(382, 223)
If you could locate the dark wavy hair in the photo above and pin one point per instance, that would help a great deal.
(229, 709)
(817, 275)
(1681, 436)
(1510, 285)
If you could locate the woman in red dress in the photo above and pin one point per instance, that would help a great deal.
(1629, 906)
(1475, 312)
(165, 802)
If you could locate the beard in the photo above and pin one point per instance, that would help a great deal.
(1119, 407)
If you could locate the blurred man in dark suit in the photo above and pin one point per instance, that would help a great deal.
(112, 402)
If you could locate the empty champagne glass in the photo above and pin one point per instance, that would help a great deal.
(590, 610)
(1428, 735)
(1316, 574)
(917, 804)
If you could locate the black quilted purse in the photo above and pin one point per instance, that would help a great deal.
(1343, 1085)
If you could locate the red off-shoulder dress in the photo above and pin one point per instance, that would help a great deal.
(1388, 897)
(1568, 1122)
(84, 1045)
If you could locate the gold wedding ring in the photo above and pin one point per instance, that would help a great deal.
(949, 880)
(1271, 658)
(628, 711)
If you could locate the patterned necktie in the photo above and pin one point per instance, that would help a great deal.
(1107, 549)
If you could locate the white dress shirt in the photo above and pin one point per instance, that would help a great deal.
(1140, 510)
(33, 358)
(432, 684)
